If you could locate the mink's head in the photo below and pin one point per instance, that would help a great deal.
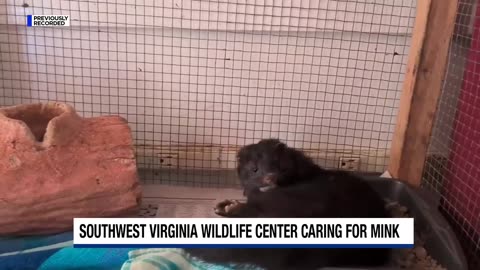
(270, 163)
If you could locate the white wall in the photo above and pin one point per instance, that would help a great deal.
(324, 76)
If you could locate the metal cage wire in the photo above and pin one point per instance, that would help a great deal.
(452, 168)
(197, 79)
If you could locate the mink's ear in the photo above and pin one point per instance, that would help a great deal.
(242, 152)
(283, 157)
(280, 147)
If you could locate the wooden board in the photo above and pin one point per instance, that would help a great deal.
(422, 87)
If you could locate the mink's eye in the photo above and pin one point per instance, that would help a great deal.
(254, 169)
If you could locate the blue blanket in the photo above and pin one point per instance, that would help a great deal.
(30, 252)
(55, 252)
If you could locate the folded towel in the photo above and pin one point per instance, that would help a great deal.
(170, 259)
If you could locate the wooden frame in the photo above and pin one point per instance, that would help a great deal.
(424, 75)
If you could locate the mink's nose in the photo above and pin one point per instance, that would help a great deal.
(269, 179)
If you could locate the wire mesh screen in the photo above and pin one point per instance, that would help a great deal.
(452, 168)
(198, 79)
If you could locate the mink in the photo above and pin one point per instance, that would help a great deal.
(301, 189)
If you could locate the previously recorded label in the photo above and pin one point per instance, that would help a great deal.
(48, 20)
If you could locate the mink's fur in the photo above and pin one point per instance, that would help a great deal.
(301, 190)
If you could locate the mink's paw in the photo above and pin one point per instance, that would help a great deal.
(226, 208)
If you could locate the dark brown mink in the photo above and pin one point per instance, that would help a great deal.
(301, 190)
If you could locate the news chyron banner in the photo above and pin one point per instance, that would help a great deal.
(244, 232)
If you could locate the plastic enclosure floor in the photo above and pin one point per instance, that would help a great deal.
(185, 198)
(441, 241)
